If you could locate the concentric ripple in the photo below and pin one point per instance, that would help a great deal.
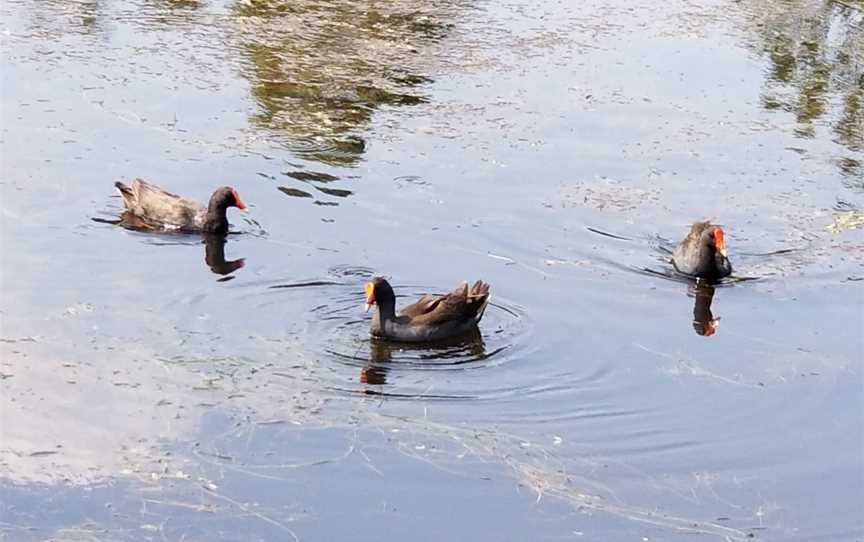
(416, 371)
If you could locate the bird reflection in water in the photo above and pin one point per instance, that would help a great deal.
(450, 353)
(214, 255)
(214, 244)
(704, 322)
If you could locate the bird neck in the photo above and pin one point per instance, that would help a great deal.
(387, 308)
(216, 219)
(724, 267)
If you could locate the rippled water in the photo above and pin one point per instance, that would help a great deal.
(173, 387)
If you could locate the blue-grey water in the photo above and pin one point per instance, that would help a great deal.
(154, 387)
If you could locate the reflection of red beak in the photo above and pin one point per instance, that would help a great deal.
(240, 204)
(711, 328)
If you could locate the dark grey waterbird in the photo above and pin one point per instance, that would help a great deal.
(702, 254)
(154, 208)
(431, 318)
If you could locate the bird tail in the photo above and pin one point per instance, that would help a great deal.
(480, 291)
(127, 194)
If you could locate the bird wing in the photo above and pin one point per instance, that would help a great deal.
(423, 305)
(461, 304)
(154, 203)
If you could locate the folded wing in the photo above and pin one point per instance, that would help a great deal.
(461, 305)
(152, 204)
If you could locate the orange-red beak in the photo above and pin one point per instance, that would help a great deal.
(720, 241)
(711, 328)
(370, 295)
(240, 204)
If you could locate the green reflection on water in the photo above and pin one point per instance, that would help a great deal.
(816, 49)
(319, 71)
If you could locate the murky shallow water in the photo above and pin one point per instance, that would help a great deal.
(153, 387)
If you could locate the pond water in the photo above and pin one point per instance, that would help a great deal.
(160, 387)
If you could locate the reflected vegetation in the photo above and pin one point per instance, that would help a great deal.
(704, 323)
(816, 49)
(96, 17)
(319, 70)
(82, 17)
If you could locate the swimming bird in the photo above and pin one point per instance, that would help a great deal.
(431, 318)
(702, 254)
(154, 208)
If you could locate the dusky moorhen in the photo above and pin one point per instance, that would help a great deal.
(702, 254)
(431, 318)
(159, 209)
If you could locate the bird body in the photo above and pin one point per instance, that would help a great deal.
(155, 208)
(431, 318)
(702, 254)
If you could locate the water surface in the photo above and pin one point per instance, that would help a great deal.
(164, 387)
